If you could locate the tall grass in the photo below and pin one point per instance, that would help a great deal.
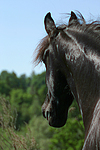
(10, 138)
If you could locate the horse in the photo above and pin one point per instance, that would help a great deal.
(71, 54)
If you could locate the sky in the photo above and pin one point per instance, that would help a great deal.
(22, 28)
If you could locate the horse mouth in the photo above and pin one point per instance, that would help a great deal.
(55, 117)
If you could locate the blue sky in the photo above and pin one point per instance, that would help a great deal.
(22, 27)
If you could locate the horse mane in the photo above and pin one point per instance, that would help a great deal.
(92, 29)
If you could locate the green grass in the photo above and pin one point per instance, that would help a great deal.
(10, 138)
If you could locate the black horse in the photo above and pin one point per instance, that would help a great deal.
(71, 54)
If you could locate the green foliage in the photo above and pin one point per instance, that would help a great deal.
(40, 130)
(9, 138)
(26, 95)
(23, 82)
(4, 88)
(38, 86)
(10, 79)
(69, 137)
(21, 101)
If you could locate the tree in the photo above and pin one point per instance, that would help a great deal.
(8, 81)
(21, 101)
(22, 82)
(41, 132)
(4, 88)
(3, 75)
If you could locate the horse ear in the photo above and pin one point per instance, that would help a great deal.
(73, 17)
(49, 23)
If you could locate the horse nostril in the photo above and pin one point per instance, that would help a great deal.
(43, 112)
(47, 114)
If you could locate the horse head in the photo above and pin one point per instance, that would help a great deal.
(59, 97)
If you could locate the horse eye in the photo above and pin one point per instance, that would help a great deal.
(45, 56)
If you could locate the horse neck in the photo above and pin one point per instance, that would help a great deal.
(93, 135)
(84, 82)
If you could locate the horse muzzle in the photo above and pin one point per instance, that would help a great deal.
(52, 111)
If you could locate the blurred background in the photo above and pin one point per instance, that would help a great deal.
(22, 28)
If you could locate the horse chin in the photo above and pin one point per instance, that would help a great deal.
(57, 122)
